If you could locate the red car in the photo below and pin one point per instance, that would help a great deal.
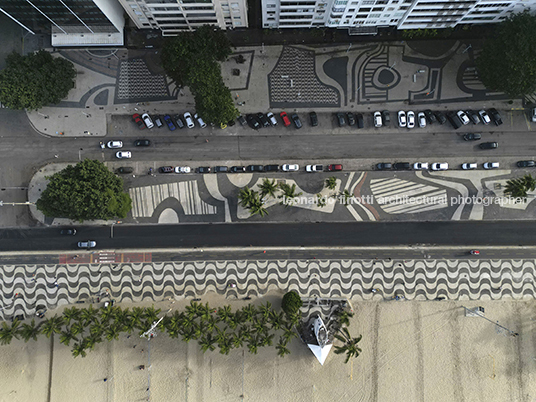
(286, 121)
(139, 121)
(334, 168)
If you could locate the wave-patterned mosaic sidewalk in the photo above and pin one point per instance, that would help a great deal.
(27, 288)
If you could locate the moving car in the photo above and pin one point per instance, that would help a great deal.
(421, 119)
(377, 119)
(335, 168)
(430, 116)
(271, 168)
(484, 116)
(290, 168)
(360, 120)
(188, 119)
(263, 119)
(489, 145)
(491, 165)
(314, 168)
(237, 169)
(125, 169)
(296, 120)
(138, 120)
(284, 117)
(402, 166)
(220, 169)
(473, 116)
(158, 121)
(255, 168)
(272, 119)
(166, 169)
(253, 121)
(384, 166)
(183, 169)
(147, 120)
(402, 122)
(469, 166)
(495, 116)
(68, 232)
(340, 119)
(386, 117)
(142, 143)
(242, 120)
(472, 137)
(114, 144)
(313, 118)
(203, 169)
(411, 119)
(351, 118)
(463, 117)
(439, 166)
(526, 164)
(179, 122)
(441, 119)
(200, 120)
(123, 155)
(420, 166)
(87, 244)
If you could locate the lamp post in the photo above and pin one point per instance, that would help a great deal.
(13, 204)
(150, 334)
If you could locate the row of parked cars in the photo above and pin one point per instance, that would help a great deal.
(250, 169)
(432, 166)
(457, 119)
(177, 121)
(260, 120)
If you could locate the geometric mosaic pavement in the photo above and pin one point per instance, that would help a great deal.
(136, 82)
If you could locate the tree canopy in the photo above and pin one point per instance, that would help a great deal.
(191, 59)
(507, 62)
(35, 80)
(85, 191)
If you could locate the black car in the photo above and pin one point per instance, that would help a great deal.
(158, 121)
(179, 122)
(360, 121)
(472, 137)
(253, 121)
(495, 116)
(526, 164)
(242, 120)
(125, 170)
(255, 168)
(386, 118)
(384, 166)
(351, 118)
(203, 169)
(441, 119)
(142, 143)
(221, 169)
(430, 116)
(340, 119)
(263, 119)
(166, 169)
(489, 145)
(68, 232)
(473, 116)
(296, 119)
(402, 166)
(271, 168)
(314, 119)
(238, 169)
(231, 123)
(454, 120)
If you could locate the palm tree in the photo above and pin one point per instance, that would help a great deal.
(349, 344)
(151, 314)
(79, 350)
(194, 310)
(268, 187)
(71, 314)
(344, 317)
(289, 333)
(249, 312)
(205, 312)
(8, 332)
(136, 316)
(92, 340)
(257, 208)
(207, 342)
(237, 339)
(266, 340)
(281, 347)
(265, 310)
(29, 331)
(321, 201)
(212, 323)
(346, 196)
(67, 336)
(113, 331)
(52, 326)
(77, 328)
(276, 319)
(225, 314)
(253, 345)
(88, 315)
(108, 313)
(236, 319)
(331, 183)
(518, 188)
(289, 193)
(97, 328)
(245, 196)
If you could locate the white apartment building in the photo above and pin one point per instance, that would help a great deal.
(174, 16)
(403, 14)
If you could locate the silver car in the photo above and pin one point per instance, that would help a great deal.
(189, 121)
(469, 166)
(411, 119)
(377, 119)
(87, 244)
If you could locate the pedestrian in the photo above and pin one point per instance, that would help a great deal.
(56, 284)
(206, 140)
(375, 290)
(56, 156)
(134, 347)
(106, 379)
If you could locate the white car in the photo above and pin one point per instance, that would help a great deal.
(491, 165)
(533, 114)
(484, 116)
(123, 154)
(87, 244)
(314, 168)
(189, 121)
(290, 168)
(114, 144)
(440, 166)
(200, 120)
(411, 119)
(183, 169)
(421, 118)
(377, 119)
(272, 119)
(469, 166)
(463, 117)
(420, 166)
(147, 120)
(402, 119)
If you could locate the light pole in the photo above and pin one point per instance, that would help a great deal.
(467, 48)
(150, 334)
(13, 204)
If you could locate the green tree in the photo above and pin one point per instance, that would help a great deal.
(331, 183)
(346, 196)
(268, 187)
(67, 336)
(35, 80)
(71, 314)
(86, 191)
(518, 188)
(30, 331)
(8, 332)
(281, 347)
(289, 193)
(291, 303)
(246, 196)
(507, 62)
(349, 344)
(79, 349)
(52, 326)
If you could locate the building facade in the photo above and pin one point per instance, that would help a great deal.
(403, 14)
(174, 16)
(70, 22)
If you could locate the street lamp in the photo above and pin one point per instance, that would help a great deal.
(150, 334)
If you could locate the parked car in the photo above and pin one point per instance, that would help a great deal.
(386, 118)
(169, 122)
(125, 170)
(533, 114)
(114, 144)
(495, 116)
(183, 169)
(420, 166)
(290, 168)
(284, 117)
(377, 119)
(253, 121)
(484, 116)
(469, 166)
(203, 169)
(68, 232)
(439, 166)
(142, 143)
(271, 168)
(351, 118)
(489, 145)
(87, 244)
(313, 118)
(411, 119)
(296, 120)
(179, 122)
(314, 168)
(220, 169)
(472, 137)
(138, 121)
(123, 155)
(491, 165)
(454, 120)
(263, 119)
(384, 166)
(421, 118)
(522, 164)
(340, 119)
(402, 122)
(147, 120)
(242, 120)
(360, 120)
(255, 168)
(441, 119)
(238, 169)
(335, 168)
(463, 117)
(272, 119)
(402, 166)
(473, 116)
(430, 116)
(158, 121)
(188, 119)
(200, 120)
(166, 169)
